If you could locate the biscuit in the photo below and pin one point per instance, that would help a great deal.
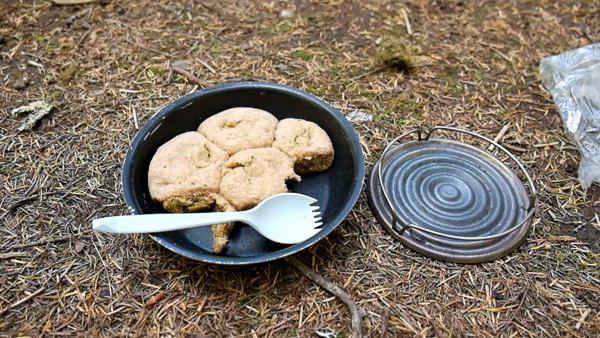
(185, 164)
(204, 201)
(252, 175)
(237, 129)
(306, 143)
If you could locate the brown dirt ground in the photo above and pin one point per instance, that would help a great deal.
(103, 64)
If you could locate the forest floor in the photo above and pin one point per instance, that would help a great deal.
(105, 67)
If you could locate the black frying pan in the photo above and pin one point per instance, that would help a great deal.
(336, 190)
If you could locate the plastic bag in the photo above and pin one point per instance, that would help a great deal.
(573, 80)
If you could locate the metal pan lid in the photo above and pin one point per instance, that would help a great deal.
(450, 200)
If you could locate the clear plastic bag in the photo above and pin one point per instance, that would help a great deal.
(573, 80)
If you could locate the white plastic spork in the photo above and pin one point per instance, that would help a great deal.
(285, 218)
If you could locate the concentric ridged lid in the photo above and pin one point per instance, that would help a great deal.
(453, 201)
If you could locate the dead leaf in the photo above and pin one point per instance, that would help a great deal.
(79, 245)
(152, 301)
(3, 280)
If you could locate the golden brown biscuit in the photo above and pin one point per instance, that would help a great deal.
(238, 129)
(185, 164)
(204, 201)
(306, 143)
(252, 175)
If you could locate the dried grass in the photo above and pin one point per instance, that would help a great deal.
(477, 70)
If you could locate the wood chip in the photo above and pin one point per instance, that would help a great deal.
(155, 299)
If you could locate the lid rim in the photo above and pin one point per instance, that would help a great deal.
(444, 246)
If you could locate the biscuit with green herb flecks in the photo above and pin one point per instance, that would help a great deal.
(204, 201)
(252, 175)
(306, 143)
(237, 129)
(185, 164)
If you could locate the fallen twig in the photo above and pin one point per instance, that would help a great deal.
(512, 316)
(384, 322)
(31, 198)
(72, 2)
(499, 136)
(82, 38)
(511, 147)
(406, 21)
(12, 255)
(210, 69)
(582, 319)
(150, 49)
(36, 243)
(190, 77)
(27, 199)
(369, 73)
(243, 79)
(333, 289)
(14, 305)
(585, 33)
(377, 70)
(502, 55)
(426, 263)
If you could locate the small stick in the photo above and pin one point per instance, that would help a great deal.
(45, 241)
(190, 77)
(30, 198)
(150, 49)
(384, 323)
(522, 296)
(369, 73)
(242, 78)
(333, 289)
(515, 148)
(82, 38)
(135, 121)
(544, 145)
(12, 255)
(23, 300)
(406, 21)
(499, 136)
(586, 34)
(501, 54)
(425, 263)
(146, 98)
(207, 66)
(582, 319)
(377, 70)
(170, 75)
(72, 2)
